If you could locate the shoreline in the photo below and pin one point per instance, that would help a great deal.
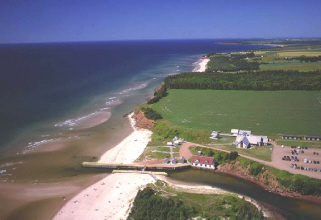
(130, 148)
(112, 196)
(201, 65)
(127, 151)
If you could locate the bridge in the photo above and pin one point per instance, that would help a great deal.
(136, 166)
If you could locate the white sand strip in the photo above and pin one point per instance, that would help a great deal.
(202, 65)
(130, 148)
(111, 197)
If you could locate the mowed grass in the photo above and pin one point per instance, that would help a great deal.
(299, 53)
(153, 153)
(262, 152)
(264, 112)
(300, 66)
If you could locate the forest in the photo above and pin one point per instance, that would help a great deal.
(263, 80)
(231, 62)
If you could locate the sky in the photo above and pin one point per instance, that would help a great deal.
(23, 21)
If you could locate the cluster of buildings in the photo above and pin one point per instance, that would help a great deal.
(176, 141)
(175, 160)
(244, 139)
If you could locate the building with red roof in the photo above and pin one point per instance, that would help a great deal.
(204, 162)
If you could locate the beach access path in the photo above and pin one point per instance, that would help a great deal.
(277, 154)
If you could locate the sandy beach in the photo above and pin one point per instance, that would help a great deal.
(201, 66)
(130, 148)
(111, 197)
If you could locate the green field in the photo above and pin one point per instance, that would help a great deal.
(262, 153)
(264, 112)
(300, 53)
(300, 66)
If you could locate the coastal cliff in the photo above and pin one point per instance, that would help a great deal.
(142, 121)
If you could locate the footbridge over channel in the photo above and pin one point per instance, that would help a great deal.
(136, 166)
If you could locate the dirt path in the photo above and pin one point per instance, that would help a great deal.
(277, 162)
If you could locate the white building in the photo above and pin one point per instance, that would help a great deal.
(214, 135)
(236, 132)
(243, 141)
(203, 162)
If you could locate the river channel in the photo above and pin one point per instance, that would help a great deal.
(289, 208)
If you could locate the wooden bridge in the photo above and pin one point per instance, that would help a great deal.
(136, 166)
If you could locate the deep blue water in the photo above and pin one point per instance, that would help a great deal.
(41, 82)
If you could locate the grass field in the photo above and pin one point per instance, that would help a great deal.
(262, 153)
(280, 65)
(151, 153)
(263, 112)
(299, 53)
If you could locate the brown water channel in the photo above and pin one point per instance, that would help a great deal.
(289, 208)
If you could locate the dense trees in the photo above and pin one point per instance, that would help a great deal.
(158, 204)
(307, 59)
(147, 205)
(231, 62)
(151, 114)
(263, 80)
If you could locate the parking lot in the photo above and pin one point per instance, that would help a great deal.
(298, 160)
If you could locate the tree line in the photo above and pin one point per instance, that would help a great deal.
(307, 59)
(262, 80)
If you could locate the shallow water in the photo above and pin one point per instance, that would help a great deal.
(289, 208)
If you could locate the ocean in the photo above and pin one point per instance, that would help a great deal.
(46, 84)
(63, 103)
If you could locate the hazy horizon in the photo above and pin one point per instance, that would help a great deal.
(73, 21)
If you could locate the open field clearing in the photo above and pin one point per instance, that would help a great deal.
(262, 152)
(263, 112)
(299, 53)
(300, 66)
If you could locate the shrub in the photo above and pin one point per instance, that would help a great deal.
(233, 155)
(151, 114)
(255, 169)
